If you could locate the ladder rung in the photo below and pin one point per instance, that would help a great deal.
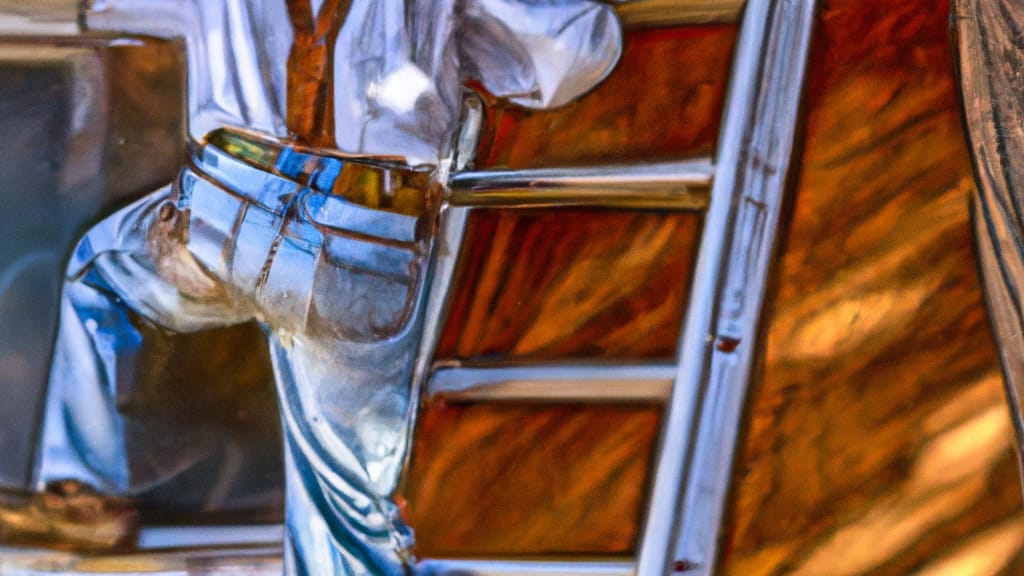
(671, 185)
(519, 567)
(558, 383)
(652, 13)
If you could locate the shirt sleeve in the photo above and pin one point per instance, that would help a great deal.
(538, 53)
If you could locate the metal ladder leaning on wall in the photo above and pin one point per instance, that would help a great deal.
(740, 195)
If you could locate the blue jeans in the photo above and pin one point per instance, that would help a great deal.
(338, 289)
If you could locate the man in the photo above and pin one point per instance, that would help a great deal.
(317, 220)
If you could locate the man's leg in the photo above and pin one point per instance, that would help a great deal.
(127, 270)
